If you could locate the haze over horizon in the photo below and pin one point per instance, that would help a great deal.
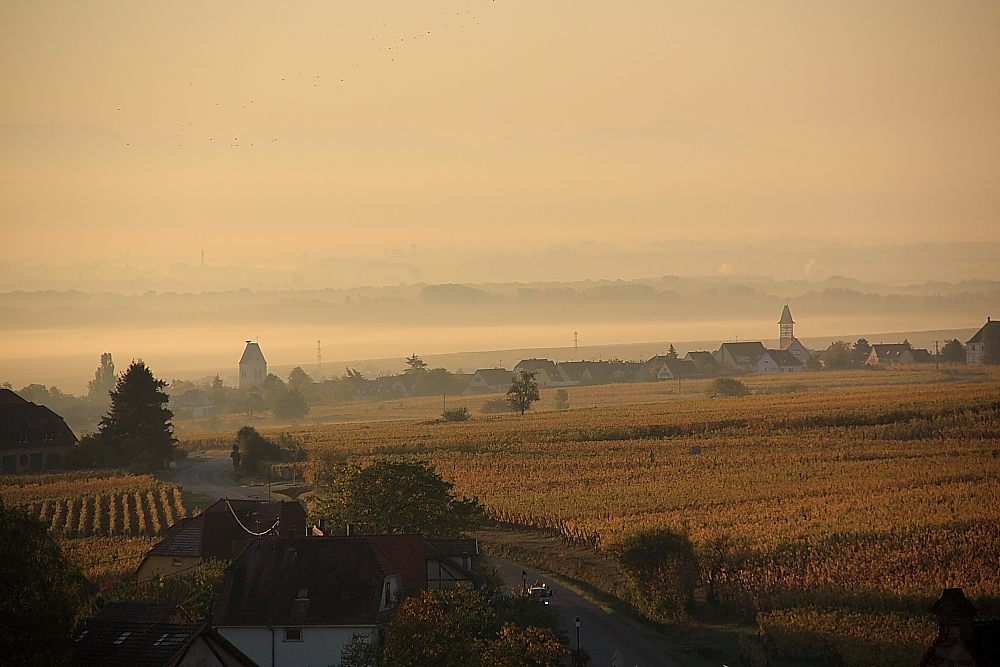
(716, 157)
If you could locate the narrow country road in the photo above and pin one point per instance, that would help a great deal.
(602, 635)
(209, 477)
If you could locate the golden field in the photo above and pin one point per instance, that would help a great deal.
(818, 505)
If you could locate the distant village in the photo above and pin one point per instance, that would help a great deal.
(732, 358)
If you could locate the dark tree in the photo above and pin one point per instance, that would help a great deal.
(291, 406)
(41, 594)
(662, 566)
(953, 351)
(138, 426)
(861, 351)
(104, 379)
(523, 392)
(672, 353)
(464, 628)
(415, 364)
(398, 497)
(727, 387)
(299, 380)
(252, 448)
(436, 382)
(838, 356)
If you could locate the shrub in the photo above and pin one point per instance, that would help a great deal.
(727, 387)
(459, 414)
(663, 568)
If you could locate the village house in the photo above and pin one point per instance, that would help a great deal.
(290, 602)
(220, 532)
(546, 373)
(975, 346)
(32, 437)
(253, 366)
(575, 372)
(740, 357)
(779, 361)
(890, 353)
(489, 381)
(193, 402)
(677, 369)
(126, 634)
(705, 361)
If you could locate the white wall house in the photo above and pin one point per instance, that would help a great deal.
(975, 346)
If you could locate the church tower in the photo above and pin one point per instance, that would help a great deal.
(785, 325)
(253, 366)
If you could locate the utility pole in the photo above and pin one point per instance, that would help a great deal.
(936, 368)
(576, 340)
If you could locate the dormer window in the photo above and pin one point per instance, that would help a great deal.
(49, 437)
(293, 634)
(22, 438)
(387, 595)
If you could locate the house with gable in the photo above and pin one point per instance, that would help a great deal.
(288, 602)
(127, 634)
(705, 361)
(740, 357)
(220, 532)
(779, 361)
(575, 372)
(253, 366)
(193, 402)
(975, 346)
(890, 353)
(676, 369)
(546, 373)
(32, 437)
(489, 381)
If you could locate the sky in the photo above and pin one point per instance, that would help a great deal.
(344, 129)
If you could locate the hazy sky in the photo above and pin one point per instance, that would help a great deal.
(860, 120)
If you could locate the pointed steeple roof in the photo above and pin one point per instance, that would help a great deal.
(252, 354)
(786, 316)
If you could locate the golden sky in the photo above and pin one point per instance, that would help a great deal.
(871, 121)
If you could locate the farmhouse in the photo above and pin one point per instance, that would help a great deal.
(253, 366)
(890, 353)
(575, 372)
(704, 360)
(546, 373)
(194, 402)
(299, 601)
(32, 437)
(220, 532)
(779, 361)
(975, 347)
(489, 381)
(740, 357)
(677, 369)
(126, 634)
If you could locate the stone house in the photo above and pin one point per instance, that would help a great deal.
(32, 437)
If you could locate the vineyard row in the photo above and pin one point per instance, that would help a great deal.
(127, 513)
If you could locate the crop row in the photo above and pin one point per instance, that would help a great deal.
(125, 513)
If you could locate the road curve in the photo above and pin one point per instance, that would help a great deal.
(209, 477)
(601, 634)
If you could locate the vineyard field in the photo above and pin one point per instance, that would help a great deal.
(817, 509)
(117, 505)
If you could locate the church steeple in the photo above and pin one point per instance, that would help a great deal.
(785, 325)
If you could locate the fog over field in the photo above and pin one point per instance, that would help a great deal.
(458, 177)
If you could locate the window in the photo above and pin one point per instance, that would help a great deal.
(387, 595)
(22, 438)
(178, 562)
(123, 637)
(49, 437)
(293, 634)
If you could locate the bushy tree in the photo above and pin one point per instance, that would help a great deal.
(523, 391)
(104, 379)
(41, 594)
(839, 356)
(292, 405)
(436, 382)
(299, 380)
(138, 426)
(465, 628)
(562, 399)
(861, 351)
(663, 569)
(953, 351)
(392, 496)
(415, 364)
(726, 386)
(254, 448)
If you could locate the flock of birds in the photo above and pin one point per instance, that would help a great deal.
(387, 44)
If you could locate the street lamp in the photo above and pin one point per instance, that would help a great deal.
(577, 624)
(524, 579)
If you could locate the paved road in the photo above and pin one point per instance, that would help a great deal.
(209, 478)
(601, 634)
